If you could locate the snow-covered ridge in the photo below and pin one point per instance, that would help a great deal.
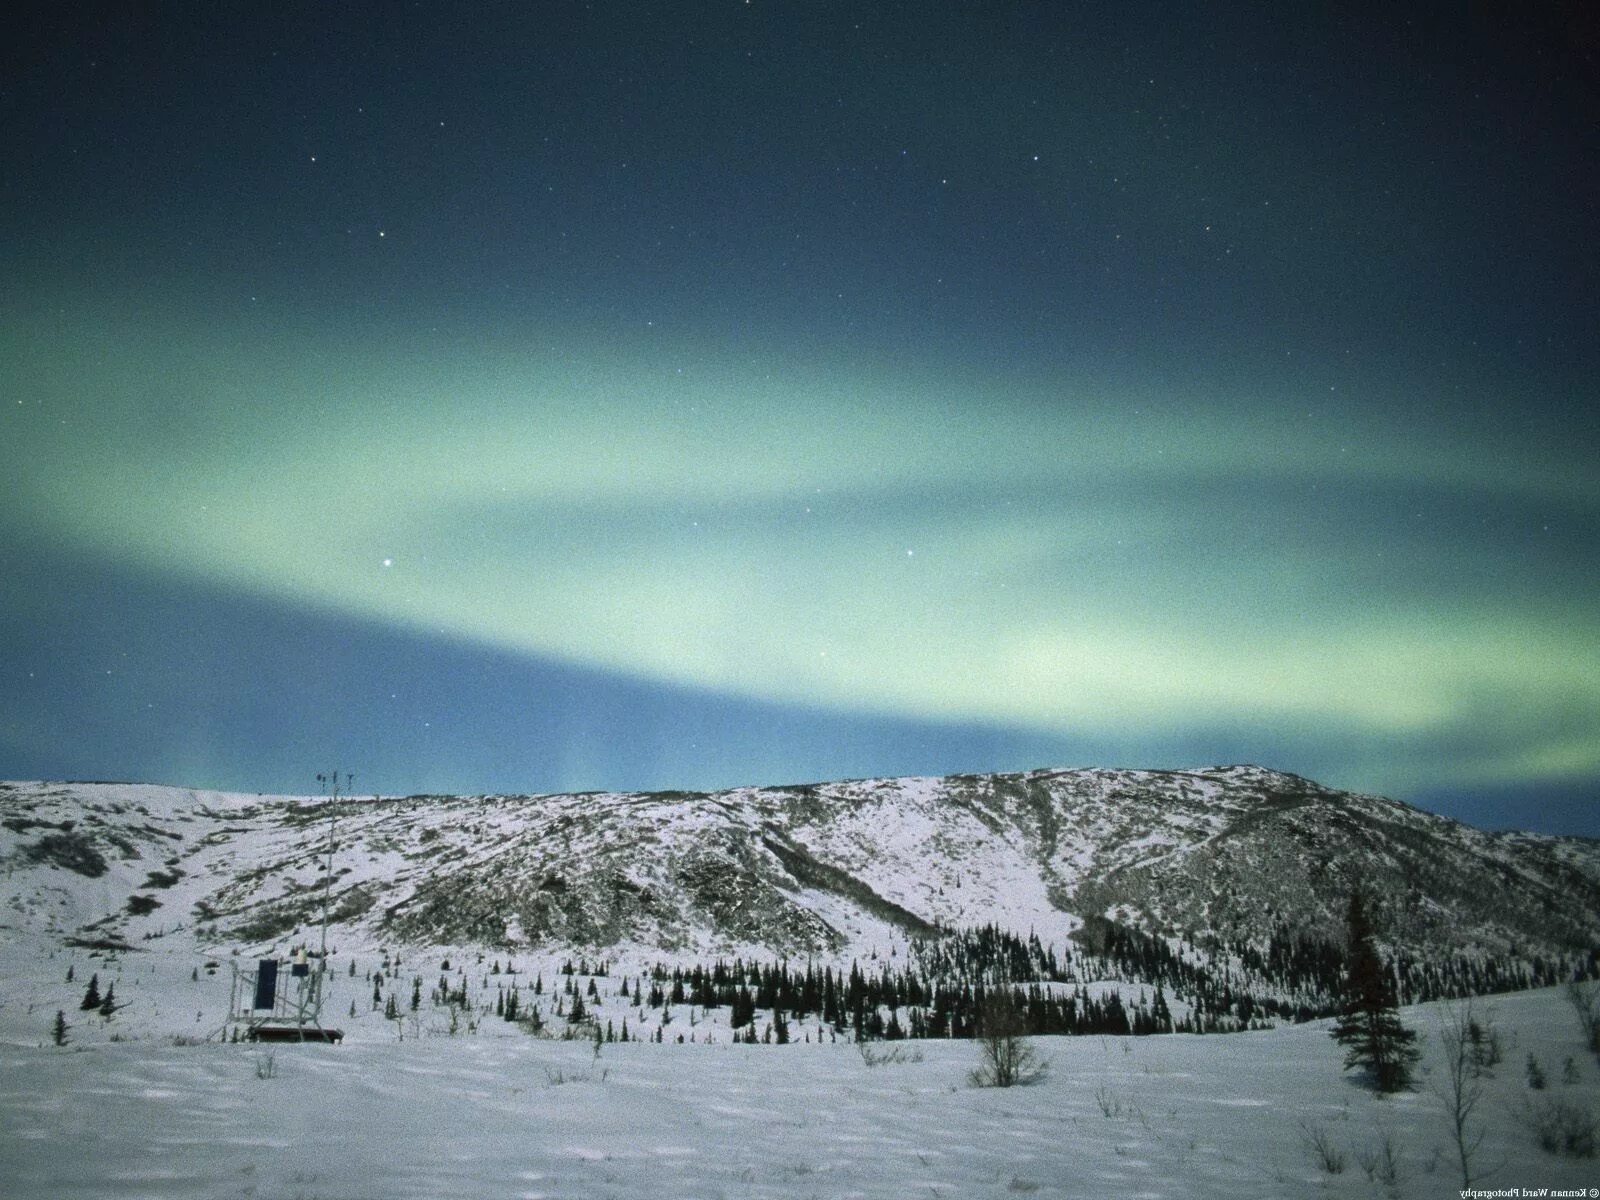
(1218, 855)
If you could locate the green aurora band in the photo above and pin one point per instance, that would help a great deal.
(1060, 554)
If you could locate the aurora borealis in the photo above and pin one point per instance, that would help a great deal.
(537, 397)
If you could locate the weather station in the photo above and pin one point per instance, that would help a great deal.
(280, 1000)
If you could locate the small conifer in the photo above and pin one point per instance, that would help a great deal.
(1536, 1079)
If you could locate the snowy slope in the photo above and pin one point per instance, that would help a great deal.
(1222, 854)
(1170, 1118)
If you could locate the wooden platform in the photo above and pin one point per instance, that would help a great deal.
(295, 1033)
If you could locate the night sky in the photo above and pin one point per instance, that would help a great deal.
(554, 396)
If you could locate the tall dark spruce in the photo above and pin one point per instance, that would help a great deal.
(1369, 1023)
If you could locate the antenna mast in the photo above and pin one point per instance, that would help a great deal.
(332, 778)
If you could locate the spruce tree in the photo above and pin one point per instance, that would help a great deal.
(108, 1005)
(58, 1031)
(1369, 1024)
(91, 995)
(1160, 1013)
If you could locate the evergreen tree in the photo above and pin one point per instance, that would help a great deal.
(58, 1031)
(109, 1004)
(1160, 1014)
(416, 993)
(91, 995)
(1369, 1024)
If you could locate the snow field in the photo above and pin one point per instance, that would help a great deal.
(511, 1116)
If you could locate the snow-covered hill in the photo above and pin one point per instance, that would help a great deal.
(1224, 887)
(1226, 855)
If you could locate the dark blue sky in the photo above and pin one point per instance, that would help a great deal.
(574, 396)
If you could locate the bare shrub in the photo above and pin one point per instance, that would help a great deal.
(1460, 1088)
(1114, 1106)
(887, 1054)
(1111, 1106)
(1563, 1126)
(1584, 996)
(1006, 1057)
(1381, 1164)
(1324, 1151)
(555, 1076)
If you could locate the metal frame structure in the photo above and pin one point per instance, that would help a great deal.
(269, 1004)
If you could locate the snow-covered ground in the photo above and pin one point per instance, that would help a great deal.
(502, 1114)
